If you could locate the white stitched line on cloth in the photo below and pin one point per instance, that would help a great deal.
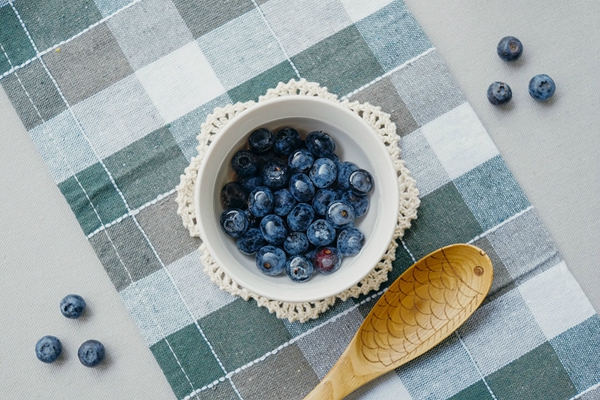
(390, 72)
(131, 213)
(126, 204)
(262, 15)
(289, 342)
(343, 313)
(500, 225)
(134, 284)
(48, 50)
(475, 364)
(596, 386)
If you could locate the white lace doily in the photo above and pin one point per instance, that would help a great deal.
(407, 208)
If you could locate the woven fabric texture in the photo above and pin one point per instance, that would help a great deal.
(113, 94)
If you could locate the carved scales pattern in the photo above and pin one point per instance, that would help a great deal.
(422, 308)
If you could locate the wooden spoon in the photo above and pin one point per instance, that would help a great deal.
(425, 305)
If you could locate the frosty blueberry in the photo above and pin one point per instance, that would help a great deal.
(299, 268)
(320, 144)
(499, 93)
(300, 217)
(91, 353)
(302, 187)
(234, 222)
(360, 203)
(261, 141)
(301, 160)
(344, 170)
(541, 87)
(322, 199)
(350, 241)
(283, 202)
(275, 174)
(48, 349)
(72, 306)
(340, 214)
(260, 201)
(361, 181)
(251, 241)
(273, 229)
(270, 260)
(509, 48)
(296, 243)
(244, 163)
(320, 233)
(323, 173)
(286, 141)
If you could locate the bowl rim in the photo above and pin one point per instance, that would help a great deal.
(221, 135)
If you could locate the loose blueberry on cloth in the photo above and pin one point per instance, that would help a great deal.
(91, 353)
(509, 48)
(542, 87)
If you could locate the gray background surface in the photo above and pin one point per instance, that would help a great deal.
(553, 149)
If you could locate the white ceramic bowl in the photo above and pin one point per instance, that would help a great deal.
(356, 141)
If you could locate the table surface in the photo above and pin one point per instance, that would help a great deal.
(553, 149)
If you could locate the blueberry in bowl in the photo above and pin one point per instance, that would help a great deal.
(354, 140)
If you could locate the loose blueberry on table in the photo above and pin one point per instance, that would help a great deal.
(509, 48)
(542, 87)
(48, 349)
(72, 306)
(91, 353)
(291, 200)
(499, 93)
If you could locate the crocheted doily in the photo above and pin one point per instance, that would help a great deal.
(407, 207)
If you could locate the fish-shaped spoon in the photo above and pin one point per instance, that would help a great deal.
(425, 305)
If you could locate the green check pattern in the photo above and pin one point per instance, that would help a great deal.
(113, 93)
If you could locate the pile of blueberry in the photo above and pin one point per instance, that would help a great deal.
(294, 203)
(541, 86)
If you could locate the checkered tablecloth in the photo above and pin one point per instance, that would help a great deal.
(113, 93)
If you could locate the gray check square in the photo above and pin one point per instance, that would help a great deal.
(88, 64)
(202, 16)
(164, 229)
(124, 253)
(285, 375)
(384, 94)
(149, 30)
(37, 100)
(427, 88)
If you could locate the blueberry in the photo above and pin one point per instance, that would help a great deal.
(323, 173)
(270, 260)
(273, 229)
(275, 174)
(541, 87)
(360, 203)
(48, 349)
(302, 187)
(251, 241)
(296, 243)
(300, 217)
(350, 241)
(286, 141)
(72, 306)
(249, 183)
(344, 171)
(253, 220)
(234, 222)
(260, 201)
(509, 48)
(283, 202)
(301, 160)
(499, 93)
(327, 260)
(261, 141)
(320, 233)
(299, 268)
(340, 214)
(322, 199)
(320, 144)
(233, 195)
(361, 181)
(244, 163)
(91, 353)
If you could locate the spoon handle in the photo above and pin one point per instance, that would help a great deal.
(345, 376)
